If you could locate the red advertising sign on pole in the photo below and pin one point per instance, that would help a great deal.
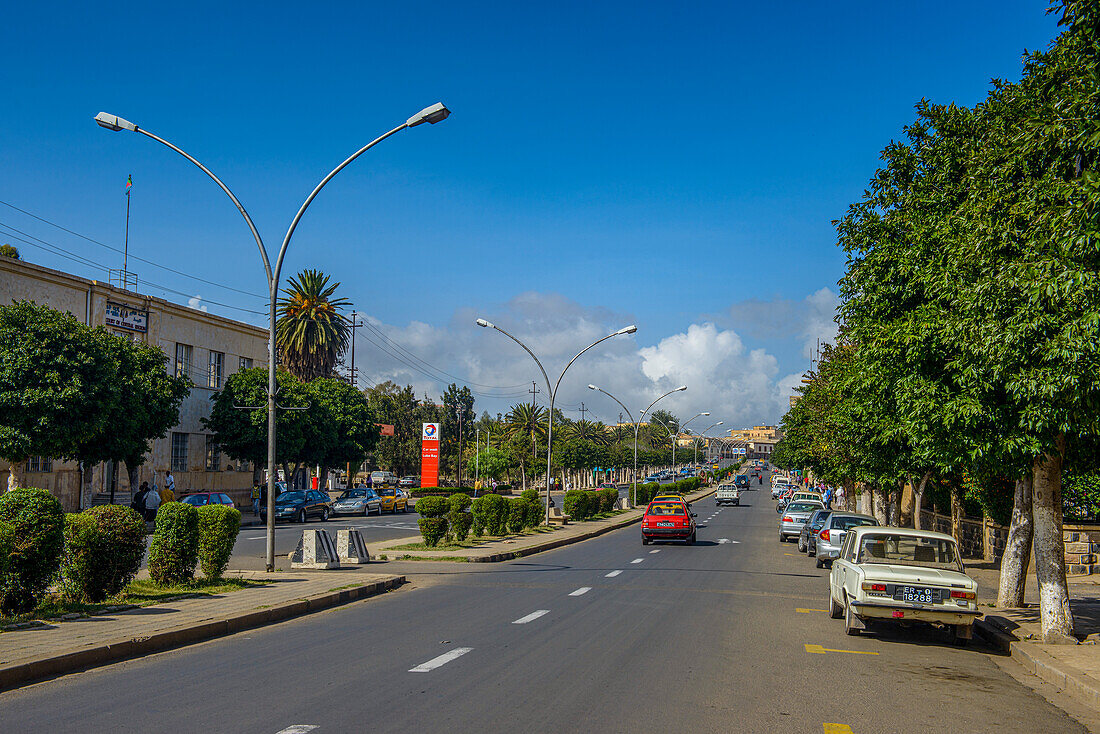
(429, 456)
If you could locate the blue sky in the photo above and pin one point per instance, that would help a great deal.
(673, 164)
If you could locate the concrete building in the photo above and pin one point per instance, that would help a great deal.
(205, 347)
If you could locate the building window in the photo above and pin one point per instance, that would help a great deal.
(40, 464)
(217, 370)
(245, 363)
(213, 456)
(179, 451)
(183, 360)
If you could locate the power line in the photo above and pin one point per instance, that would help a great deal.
(135, 257)
(88, 262)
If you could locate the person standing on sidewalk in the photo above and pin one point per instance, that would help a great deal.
(138, 501)
(256, 499)
(170, 483)
(152, 502)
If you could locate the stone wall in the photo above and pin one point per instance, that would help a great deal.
(1082, 548)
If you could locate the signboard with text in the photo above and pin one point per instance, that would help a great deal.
(124, 317)
(429, 455)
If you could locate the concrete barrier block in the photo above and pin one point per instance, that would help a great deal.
(350, 547)
(315, 550)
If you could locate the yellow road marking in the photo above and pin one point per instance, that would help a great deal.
(837, 729)
(822, 650)
(788, 554)
(800, 610)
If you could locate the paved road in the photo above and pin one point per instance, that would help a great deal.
(606, 635)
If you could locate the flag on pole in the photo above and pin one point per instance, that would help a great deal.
(129, 183)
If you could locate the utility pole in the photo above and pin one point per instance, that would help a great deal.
(583, 411)
(353, 375)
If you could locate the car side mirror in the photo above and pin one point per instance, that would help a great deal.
(778, 509)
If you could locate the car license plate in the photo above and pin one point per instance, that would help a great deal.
(914, 594)
(664, 524)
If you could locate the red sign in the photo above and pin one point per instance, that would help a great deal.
(429, 455)
(386, 429)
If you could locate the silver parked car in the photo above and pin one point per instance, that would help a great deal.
(794, 516)
(826, 541)
(360, 501)
(810, 529)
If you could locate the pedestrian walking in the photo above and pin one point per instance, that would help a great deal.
(152, 502)
(256, 499)
(137, 502)
(170, 483)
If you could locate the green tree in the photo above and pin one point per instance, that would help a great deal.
(341, 426)
(311, 332)
(489, 462)
(457, 428)
(9, 251)
(58, 385)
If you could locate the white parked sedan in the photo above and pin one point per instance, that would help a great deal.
(902, 575)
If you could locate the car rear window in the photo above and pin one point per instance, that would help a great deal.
(803, 507)
(291, 497)
(666, 508)
(909, 550)
(847, 523)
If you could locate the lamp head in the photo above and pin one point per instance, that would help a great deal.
(705, 413)
(114, 122)
(438, 112)
(681, 388)
(484, 323)
(719, 423)
(627, 329)
(593, 387)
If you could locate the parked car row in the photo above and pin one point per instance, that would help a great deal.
(300, 506)
(880, 574)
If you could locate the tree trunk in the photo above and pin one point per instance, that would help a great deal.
(918, 499)
(879, 508)
(85, 486)
(957, 515)
(132, 468)
(15, 474)
(1050, 551)
(866, 502)
(905, 516)
(895, 502)
(850, 496)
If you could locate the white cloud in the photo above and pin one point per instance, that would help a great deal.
(738, 385)
(196, 303)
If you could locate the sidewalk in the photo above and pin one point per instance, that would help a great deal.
(518, 546)
(1075, 669)
(60, 647)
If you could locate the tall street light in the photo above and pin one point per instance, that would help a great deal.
(684, 426)
(637, 424)
(703, 433)
(436, 113)
(553, 391)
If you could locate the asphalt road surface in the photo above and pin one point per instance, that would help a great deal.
(605, 635)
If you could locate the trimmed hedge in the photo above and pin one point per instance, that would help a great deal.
(442, 491)
(477, 516)
(495, 513)
(517, 515)
(174, 552)
(102, 553)
(7, 541)
(536, 511)
(432, 523)
(218, 529)
(37, 527)
(458, 518)
(577, 505)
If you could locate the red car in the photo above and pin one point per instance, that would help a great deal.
(668, 520)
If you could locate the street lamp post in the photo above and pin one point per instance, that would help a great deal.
(681, 428)
(634, 482)
(553, 391)
(436, 113)
(703, 434)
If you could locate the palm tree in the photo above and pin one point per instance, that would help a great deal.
(593, 432)
(311, 333)
(523, 420)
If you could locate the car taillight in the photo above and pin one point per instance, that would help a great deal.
(963, 595)
(824, 534)
(787, 519)
(873, 587)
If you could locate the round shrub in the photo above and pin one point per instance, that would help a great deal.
(174, 552)
(38, 536)
(607, 499)
(517, 515)
(576, 504)
(495, 509)
(530, 494)
(458, 519)
(432, 506)
(218, 528)
(477, 516)
(103, 550)
(7, 540)
(536, 512)
(432, 529)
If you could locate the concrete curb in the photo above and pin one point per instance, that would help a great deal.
(21, 674)
(561, 542)
(1041, 663)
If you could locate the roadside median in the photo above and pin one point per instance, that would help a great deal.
(515, 546)
(50, 649)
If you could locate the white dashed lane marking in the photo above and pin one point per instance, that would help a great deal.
(532, 616)
(581, 591)
(441, 660)
(637, 560)
(297, 729)
(612, 575)
(658, 550)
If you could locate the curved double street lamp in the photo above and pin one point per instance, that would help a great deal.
(703, 434)
(637, 424)
(436, 113)
(553, 391)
